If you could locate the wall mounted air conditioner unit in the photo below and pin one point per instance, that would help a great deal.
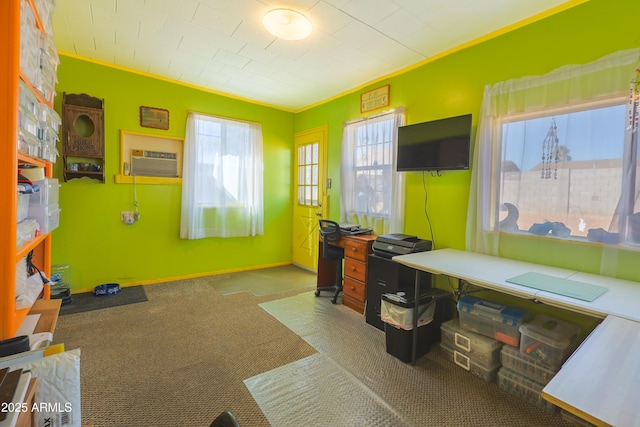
(154, 163)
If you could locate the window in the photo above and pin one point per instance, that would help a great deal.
(308, 184)
(372, 192)
(222, 178)
(556, 156)
(563, 172)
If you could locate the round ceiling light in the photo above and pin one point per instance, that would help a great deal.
(287, 24)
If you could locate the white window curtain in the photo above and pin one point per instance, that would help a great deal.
(567, 90)
(371, 190)
(222, 179)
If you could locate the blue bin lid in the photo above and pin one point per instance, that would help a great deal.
(497, 312)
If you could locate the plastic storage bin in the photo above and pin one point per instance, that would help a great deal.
(23, 206)
(525, 365)
(47, 216)
(21, 276)
(548, 340)
(397, 309)
(61, 282)
(49, 193)
(476, 346)
(26, 231)
(525, 389)
(498, 321)
(482, 369)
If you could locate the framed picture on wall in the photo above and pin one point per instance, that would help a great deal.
(156, 118)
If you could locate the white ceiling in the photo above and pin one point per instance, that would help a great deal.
(220, 45)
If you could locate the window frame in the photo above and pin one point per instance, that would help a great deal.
(389, 218)
(603, 102)
(236, 213)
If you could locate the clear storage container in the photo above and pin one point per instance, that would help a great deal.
(48, 194)
(548, 340)
(29, 42)
(483, 369)
(47, 216)
(479, 347)
(28, 144)
(26, 231)
(492, 319)
(23, 206)
(525, 365)
(28, 99)
(27, 121)
(60, 282)
(525, 389)
(21, 276)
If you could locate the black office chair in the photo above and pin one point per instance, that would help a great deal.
(225, 419)
(330, 232)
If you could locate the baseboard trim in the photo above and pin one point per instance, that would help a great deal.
(189, 276)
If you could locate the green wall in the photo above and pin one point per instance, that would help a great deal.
(454, 84)
(91, 238)
(101, 249)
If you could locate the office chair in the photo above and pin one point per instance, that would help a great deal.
(330, 232)
(225, 419)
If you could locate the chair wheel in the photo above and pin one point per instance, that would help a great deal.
(334, 300)
(317, 293)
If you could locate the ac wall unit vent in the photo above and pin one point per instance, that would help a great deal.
(154, 163)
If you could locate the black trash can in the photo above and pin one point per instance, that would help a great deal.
(397, 315)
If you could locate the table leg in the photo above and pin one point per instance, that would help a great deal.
(414, 341)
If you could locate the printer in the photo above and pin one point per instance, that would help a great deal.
(390, 245)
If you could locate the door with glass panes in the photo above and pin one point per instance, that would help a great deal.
(310, 196)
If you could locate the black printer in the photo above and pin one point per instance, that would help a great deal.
(390, 245)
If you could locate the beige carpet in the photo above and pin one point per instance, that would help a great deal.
(189, 353)
(265, 281)
(180, 358)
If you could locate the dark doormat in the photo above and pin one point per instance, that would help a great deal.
(88, 302)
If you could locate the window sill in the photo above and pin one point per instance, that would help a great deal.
(230, 206)
(571, 239)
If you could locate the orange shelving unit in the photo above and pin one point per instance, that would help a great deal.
(10, 76)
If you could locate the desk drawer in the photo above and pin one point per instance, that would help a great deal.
(354, 289)
(357, 249)
(355, 269)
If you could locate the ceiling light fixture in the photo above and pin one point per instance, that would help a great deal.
(287, 24)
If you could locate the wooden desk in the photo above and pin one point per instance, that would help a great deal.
(600, 382)
(356, 250)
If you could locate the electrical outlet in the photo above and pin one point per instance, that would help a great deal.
(127, 217)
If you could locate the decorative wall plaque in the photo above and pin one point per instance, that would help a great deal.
(374, 99)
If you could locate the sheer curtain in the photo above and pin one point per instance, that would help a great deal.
(371, 190)
(222, 179)
(562, 89)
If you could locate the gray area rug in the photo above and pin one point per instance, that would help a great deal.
(89, 302)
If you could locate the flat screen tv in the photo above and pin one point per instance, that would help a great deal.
(436, 145)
